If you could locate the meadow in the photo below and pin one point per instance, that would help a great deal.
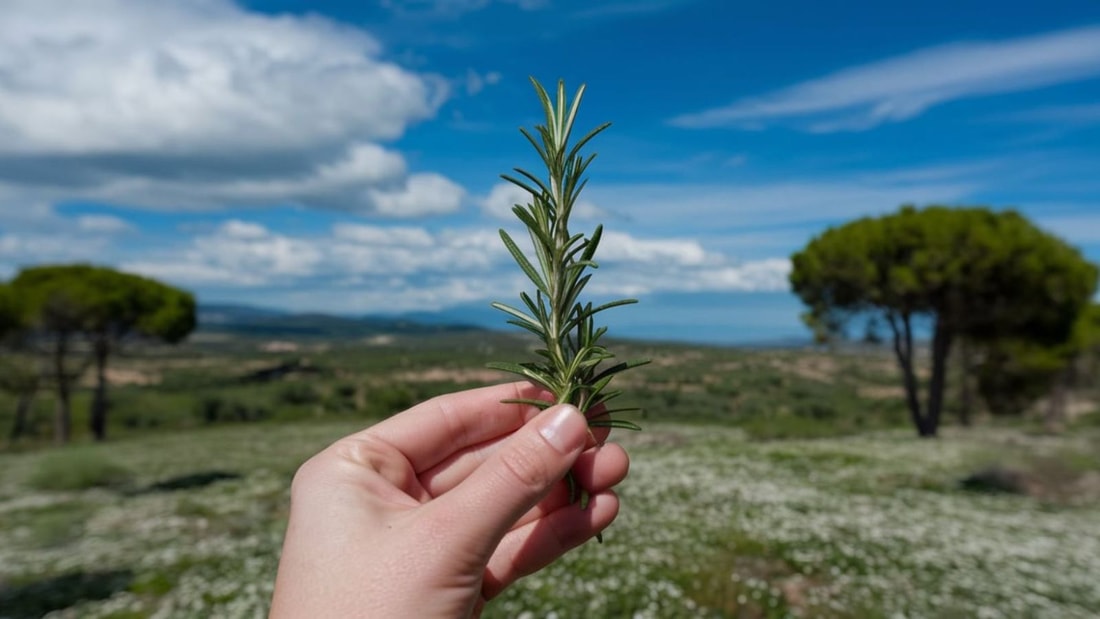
(767, 483)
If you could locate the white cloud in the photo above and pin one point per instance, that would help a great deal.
(422, 194)
(375, 235)
(35, 233)
(1080, 226)
(103, 224)
(447, 8)
(237, 253)
(502, 197)
(135, 76)
(611, 10)
(1083, 114)
(255, 253)
(713, 208)
(621, 247)
(379, 268)
(200, 104)
(759, 275)
(237, 229)
(476, 82)
(18, 250)
(365, 179)
(899, 88)
(249, 254)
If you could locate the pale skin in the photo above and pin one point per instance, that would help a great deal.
(435, 511)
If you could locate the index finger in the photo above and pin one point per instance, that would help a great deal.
(431, 431)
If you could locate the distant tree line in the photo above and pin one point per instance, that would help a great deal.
(1016, 299)
(63, 319)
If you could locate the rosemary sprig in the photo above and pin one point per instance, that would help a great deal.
(574, 366)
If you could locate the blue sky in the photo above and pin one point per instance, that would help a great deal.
(345, 156)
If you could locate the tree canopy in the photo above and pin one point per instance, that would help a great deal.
(1015, 372)
(982, 274)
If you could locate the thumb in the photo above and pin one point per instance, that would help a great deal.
(517, 476)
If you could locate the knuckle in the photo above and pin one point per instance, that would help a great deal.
(524, 465)
(305, 477)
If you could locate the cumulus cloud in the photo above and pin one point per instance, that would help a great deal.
(412, 267)
(902, 87)
(50, 238)
(621, 247)
(422, 194)
(200, 104)
(249, 254)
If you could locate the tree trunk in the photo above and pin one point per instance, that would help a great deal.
(98, 417)
(63, 412)
(941, 347)
(22, 411)
(966, 394)
(903, 349)
(1055, 419)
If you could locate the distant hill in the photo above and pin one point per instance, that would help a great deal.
(264, 322)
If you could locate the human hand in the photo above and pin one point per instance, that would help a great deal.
(438, 509)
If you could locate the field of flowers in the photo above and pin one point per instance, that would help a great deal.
(189, 524)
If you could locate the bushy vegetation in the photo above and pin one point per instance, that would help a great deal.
(766, 393)
(77, 469)
(833, 527)
(768, 483)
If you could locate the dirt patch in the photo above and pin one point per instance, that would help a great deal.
(121, 376)
(1076, 407)
(673, 360)
(881, 392)
(443, 375)
(279, 346)
(818, 368)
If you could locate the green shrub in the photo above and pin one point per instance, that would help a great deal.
(210, 409)
(219, 409)
(345, 391)
(298, 394)
(386, 400)
(77, 468)
(820, 411)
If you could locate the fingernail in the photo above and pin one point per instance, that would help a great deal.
(564, 428)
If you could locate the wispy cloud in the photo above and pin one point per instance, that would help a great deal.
(606, 10)
(798, 201)
(475, 82)
(1063, 115)
(447, 8)
(900, 88)
(1078, 224)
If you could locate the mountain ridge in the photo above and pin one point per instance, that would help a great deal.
(241, 319)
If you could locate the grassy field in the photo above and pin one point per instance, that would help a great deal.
(766, 484)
